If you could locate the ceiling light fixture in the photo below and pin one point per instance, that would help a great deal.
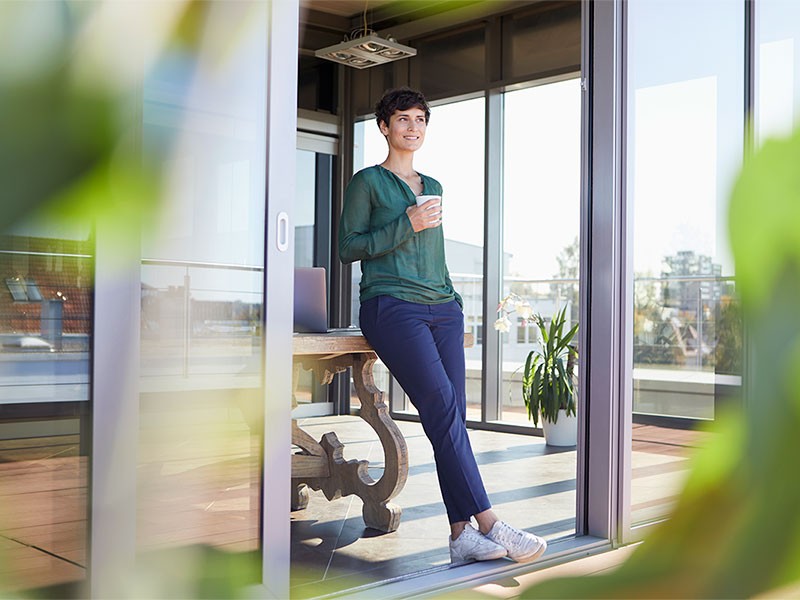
(364, 48)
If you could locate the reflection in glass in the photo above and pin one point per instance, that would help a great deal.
(778, 67)
(304, 207)
(201, 403)
(45, 352)
(685, 138)
(312, 249)
(541, 206)
(201, 322)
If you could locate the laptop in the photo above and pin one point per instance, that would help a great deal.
(310, 300)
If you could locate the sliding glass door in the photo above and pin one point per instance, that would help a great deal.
(685, 124)
(541, 224)
(193, 354)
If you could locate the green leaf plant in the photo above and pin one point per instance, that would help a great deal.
(548, 377)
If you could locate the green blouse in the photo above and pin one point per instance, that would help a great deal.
(375, 229)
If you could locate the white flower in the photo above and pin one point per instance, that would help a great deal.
(503, 324)
(523, 309)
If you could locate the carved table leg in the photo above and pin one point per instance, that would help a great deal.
(378, 512)
(352, 477)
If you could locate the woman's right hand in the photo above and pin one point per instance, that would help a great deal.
(425, 216)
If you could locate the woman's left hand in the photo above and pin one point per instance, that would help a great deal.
(425, 216)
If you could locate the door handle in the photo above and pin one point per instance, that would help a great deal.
(282, 232)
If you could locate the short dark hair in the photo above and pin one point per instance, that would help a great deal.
(401, 98)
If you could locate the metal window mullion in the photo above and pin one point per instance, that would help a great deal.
(625, 312)
(751, 107)
(750, 73)
(604, 298)
(491, 384)
(323, 194)
(341, 274)
(281, 124)
(115, 359)
(115, 406)
(581, 474)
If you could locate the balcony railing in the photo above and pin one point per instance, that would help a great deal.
(687, 334)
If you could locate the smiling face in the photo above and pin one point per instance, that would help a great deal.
(406, 130)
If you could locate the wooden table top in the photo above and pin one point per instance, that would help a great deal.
(341, 341)
(337, 341)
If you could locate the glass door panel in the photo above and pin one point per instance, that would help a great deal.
(46, 292)
(778, 67)
(685, 138)
(305, 204)
(201, 405)
(312, 234)
(541, 207)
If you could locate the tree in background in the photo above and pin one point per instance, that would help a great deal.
(568, 268)
(654, 340)
(728, 349)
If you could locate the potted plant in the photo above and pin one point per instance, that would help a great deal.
(548, 387)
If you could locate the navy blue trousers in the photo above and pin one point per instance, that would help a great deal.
(423, 347)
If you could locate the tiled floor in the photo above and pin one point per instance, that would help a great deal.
(215, 500)
(530, 484)
(43, 489)
(660, 464)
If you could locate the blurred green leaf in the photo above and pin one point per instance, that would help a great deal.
(70, 103)
(53, 135)
(198, 571)
(765, 219)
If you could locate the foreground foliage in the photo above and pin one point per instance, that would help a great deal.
(735, 532)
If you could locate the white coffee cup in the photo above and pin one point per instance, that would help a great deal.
(424, 198)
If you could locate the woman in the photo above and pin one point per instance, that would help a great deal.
(413, 318)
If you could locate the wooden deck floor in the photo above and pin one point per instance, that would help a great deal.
(660, 464)
(43, 529)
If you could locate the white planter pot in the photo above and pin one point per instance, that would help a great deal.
(563, 432)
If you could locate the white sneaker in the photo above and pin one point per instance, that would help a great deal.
(520, 545)
(473, 545)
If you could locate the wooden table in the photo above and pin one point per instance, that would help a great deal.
(320, 465)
